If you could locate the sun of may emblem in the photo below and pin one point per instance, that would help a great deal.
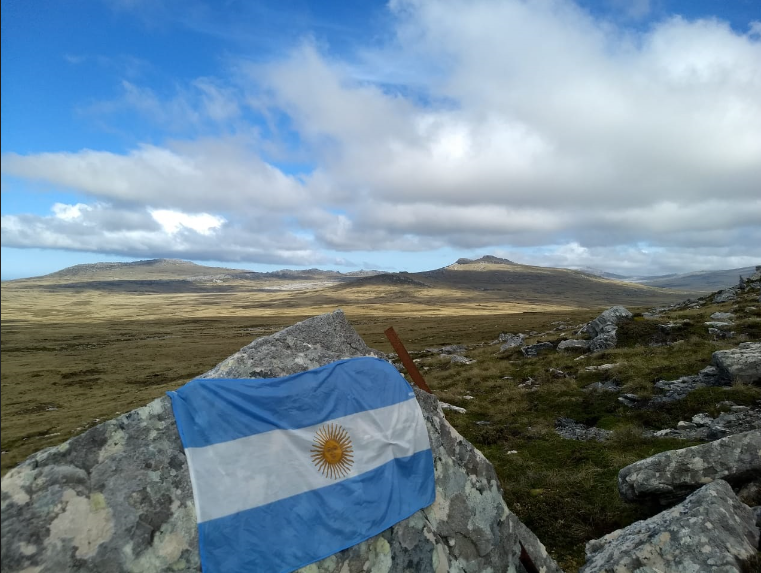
(332, 451)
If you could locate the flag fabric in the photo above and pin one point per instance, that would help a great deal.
(287, 471)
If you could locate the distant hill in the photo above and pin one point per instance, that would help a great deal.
(488, 278)
(699, 281)
(385, 279)
(486, 259)
(153, 269)
(501, 278)
(174, 270)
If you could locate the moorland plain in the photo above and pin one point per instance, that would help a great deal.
(78, 350)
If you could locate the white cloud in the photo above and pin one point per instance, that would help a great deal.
(174, 221)
(540, 127)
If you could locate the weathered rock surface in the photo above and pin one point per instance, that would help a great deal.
(670, 476)
(509, 340)
(710, 531)
(741, 364)
(118, 497)
(611, 317)
(537, 349)
(726, 295)
(679, 388)
(572, 430)
(570, 345)
(703, 427)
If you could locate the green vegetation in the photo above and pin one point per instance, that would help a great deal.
(74, 357)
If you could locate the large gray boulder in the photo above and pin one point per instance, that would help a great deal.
(118, 497)
(670, 476)
(741, 364)
(611, 317)
(605, 340)
(710, 531)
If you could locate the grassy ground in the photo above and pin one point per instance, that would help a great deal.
(73, 358)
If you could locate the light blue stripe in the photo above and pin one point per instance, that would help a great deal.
(209, 410)
(282, 536)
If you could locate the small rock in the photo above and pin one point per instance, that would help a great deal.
(537, 349)
(630, 400)
(725, 316)
(601, 367)
(702, 420)
(445, 406)
(573, 345)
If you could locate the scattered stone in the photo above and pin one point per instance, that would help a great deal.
(602, 367)
(741, 364)
(572, 430)
(670, 476)
(567, 345)
(452, 349)
(721, 334)
(711, 530)
(537, 349)
(457, 359)
(557, 373)
(483, 423)
(702, 420)
(718, 325)
(674, 325)
(511, 452)
(607, 386)
(724, 316)
(630, 400)
(529, 383)
(679, 388)
(726, 295)
(118, 497)
(681, 425)
(445, 406)
(467, 397)
(509, 340)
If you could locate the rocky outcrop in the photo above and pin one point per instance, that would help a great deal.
(509, 340)
(670, 476)
(741, 364)
(710, 531)
(679, 388)
(603, 329)
(703, 427)
(118, 497)
(611, 317)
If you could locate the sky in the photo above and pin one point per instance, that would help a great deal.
(622, 135)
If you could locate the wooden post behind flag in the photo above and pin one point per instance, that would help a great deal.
(415, 374)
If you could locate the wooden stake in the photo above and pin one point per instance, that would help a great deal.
(414, 373)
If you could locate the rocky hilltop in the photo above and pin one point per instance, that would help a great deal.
(118, 497)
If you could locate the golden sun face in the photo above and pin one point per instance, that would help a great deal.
(332, 451)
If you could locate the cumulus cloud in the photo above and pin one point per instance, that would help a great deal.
(541, 128)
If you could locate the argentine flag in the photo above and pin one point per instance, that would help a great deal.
(287, 471)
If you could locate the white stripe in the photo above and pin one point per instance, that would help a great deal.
(248, 472)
